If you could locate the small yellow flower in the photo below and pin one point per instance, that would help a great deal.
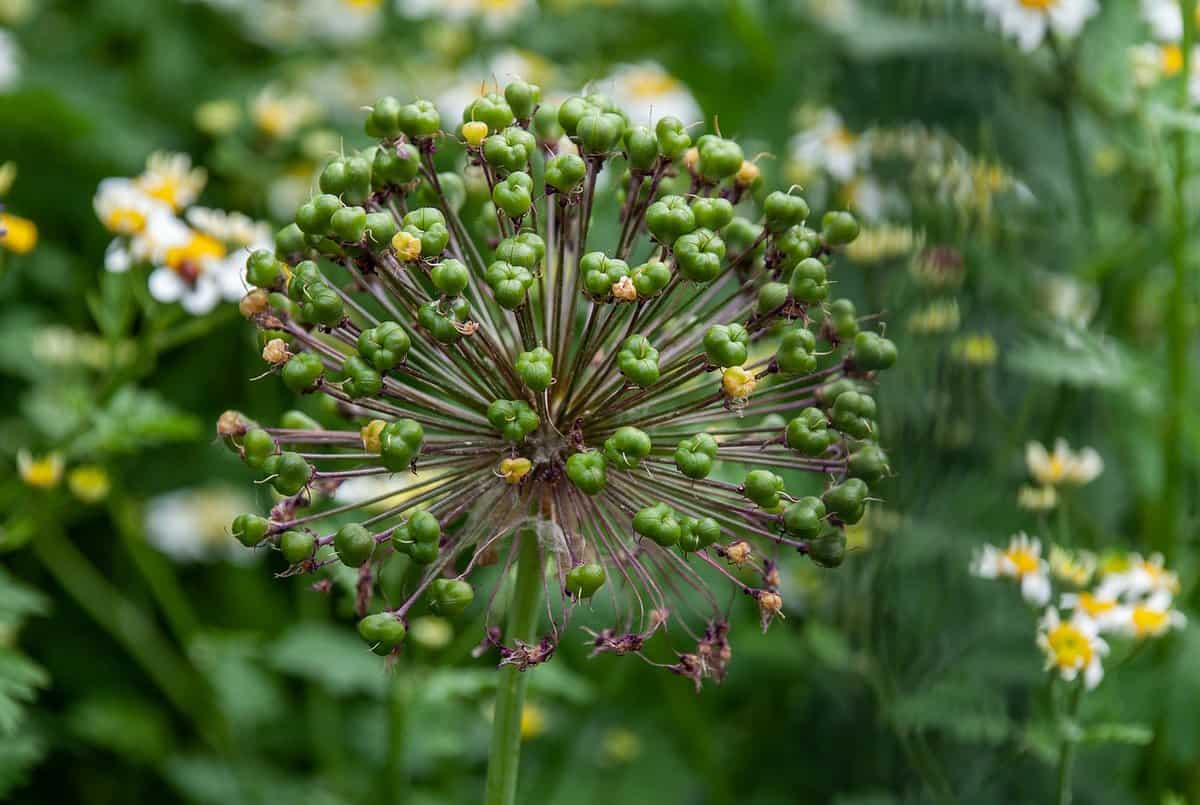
(1073, 567)
(431, 632)
(738, 383)
(8, 175)
(533, 722)
(939, 316)
(18, 235)
(407, 246)
(1170, 59)
(42, 473)
(1072, 647)
(217, 117)
(474, 132)
(512, 470)
(748, 174)
(89, 482)
(875, 244)
(1094, 606)
(976, 349)
(171, 179)
(1037, 498)
(370, 435)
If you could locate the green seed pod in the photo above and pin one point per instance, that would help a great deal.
(424, 553)
(492, 109)
(741, 234)
(289, 241)
(808, 283)
(450, 277)
(584, 580)
(450, 597)
(545, 123)
(399, 443)
(641, 148)
(698, 255)
(354, 544)
(296, 546)
(650, 278)
(600, 272)
(809, 433)
(250, 529)
(424, 527)
(509, 283)
(565, 171)
(697, 534)
(361, 378)
(291, 472)
(333, 178)
(443, 320)
(419, 119)
(298, 420)
(795, 353)
(513, 418)
(659, 523)
(854, 414)
(381, 228)
(522, 98)
(263, 270)
(694, 456)
(763, 487)
(384, 345)
(673, 138)
(587, 472)
(669, 218)
(514, 195)
(321, 305)
(712, 213)
(384, 120)
(510, 150)
(805, 518)
(383, 631)
(870, 463)
(838, 227)
(827, 395)
(719, 158)
(797, 243)
(626, 448)
(843, 319)
(847, 501)
(429, 226)
(726, 345)
(829, 549)
(257, 444)
(349, 224)
(783, 210)
(638, 361)
(572, 110)
(873, 352)
(536, 368)
(771, 297)
(395, 165)
(301, 372)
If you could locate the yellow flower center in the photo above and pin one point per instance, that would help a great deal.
(1170, 59)
(1095, 606)
(651, 84)
(18, 235)
(188, 260)
(43, 472)
(1148, 621)
(407, 246)
(163, 187)
(533, 722)
(363, 5)
(514, 469)
(1039, 5)
(125, 221)
(1023, 559)
(1069, 647)
(89, 483)
(370, 435)
(272, 118)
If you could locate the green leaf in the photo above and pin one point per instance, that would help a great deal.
(20, 679)
(331, 656)
(18, 754)
(966, 710)
(133, 420)
(1073, 357)
(1132, 734)
(131, 727)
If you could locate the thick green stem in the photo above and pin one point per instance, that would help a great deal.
(510, 693)
(1066, 751)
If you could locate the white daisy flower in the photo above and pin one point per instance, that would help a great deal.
(1021, 560)
(1141, 577)
(1152, 617)
(647, 92)
(825, 144)
(1063, 467)
(161, 232)
(496, 15)
(124, 208)
(1099, 607)
(10, 61)
(1072, 647)
(231, 228)
(192, 525)
(1031, 21)
(1164, 19)
(341, 20)
(171, 179)
(196, 275)
(1037, 498)
(280, 114)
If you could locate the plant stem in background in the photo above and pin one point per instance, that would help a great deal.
(1066, 751)
(505, 752)
(1178, 326)
(397, 698)
(1069, 77)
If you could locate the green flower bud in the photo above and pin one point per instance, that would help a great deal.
(808, 283)
(795, 353)
(659, 523)
(650, 278)
(805, 518)
(584, 580)
(522, 98)
(347, 177)
(638, 361)
(797, 243)
(250, 529)
(321, 305)
(429, 226)
(384, 120)
(847, 501)
(600, 272)
(771, 296)
(509, 283)
(298, 420)
(395, 165)
(536, 368)
(545, 123)
(854, 414)
(514, 195)
(289, 241)
(870, 463)
(361, 378)
(719, 158)
(450, 597)
(424, 527)
(263, 270)
(349, 224)
(450, 277)
(383, 631)
(381, 228)
(513, 418)
(257, 445)
(669, 218)
(694, 456)
(829, 549)
(838, 227)
(763, 487)
(354, 544)
(492, 109)
(843, 319)
(809, 433)
(510, 150)
(641, 148)
(565, 171)
(673, 138)
(873, 352)
(419, 119)
(726, 345)
(296, 546)
(712, 213)
(442, 321)
(587, 472)
(399, 444)
(572, 110)
(301, 372)
(783, 210)
(289, 471)
(698, 255)
(697, 534)
(626, 448)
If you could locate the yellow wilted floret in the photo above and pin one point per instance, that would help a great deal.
(370, 435)
(691, 157)
(253, 303)
(89, 482)
(474, 132)
(976, 349)
(512, 470)
(407, 246)
(43, 473)
(533, 722)
(738, 383)
(747, 174)
(738, 552)
(18, 235)
(276, 351)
